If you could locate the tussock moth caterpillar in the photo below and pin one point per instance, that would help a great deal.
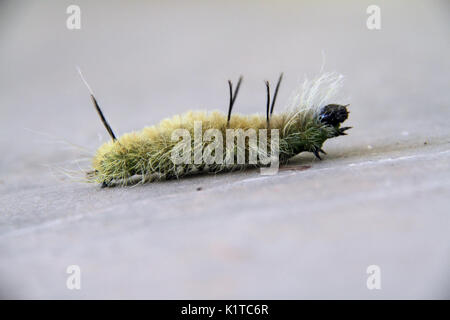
(148, 155)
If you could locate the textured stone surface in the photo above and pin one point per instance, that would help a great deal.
(380, 196)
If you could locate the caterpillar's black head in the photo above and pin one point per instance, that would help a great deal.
(333, 114)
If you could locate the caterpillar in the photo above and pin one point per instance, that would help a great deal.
(147, 155)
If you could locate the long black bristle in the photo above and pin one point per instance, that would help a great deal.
(230, 105)
(97, 107)
(233, 96)
(276, 93)
(268, 102)
(237, 89)
(102, 117)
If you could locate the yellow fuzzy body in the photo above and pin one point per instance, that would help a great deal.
(161, 134)
(155, 141)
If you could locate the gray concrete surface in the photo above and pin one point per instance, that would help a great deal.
(380, 196)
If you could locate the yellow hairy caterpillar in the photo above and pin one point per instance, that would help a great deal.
(206, 141)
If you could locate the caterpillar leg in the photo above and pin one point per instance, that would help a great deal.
(341, 131)
(105, 184)
(316, 152)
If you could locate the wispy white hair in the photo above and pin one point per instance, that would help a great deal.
(312, 96)
(316, 93)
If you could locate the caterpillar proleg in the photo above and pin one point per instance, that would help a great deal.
(157, 152)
